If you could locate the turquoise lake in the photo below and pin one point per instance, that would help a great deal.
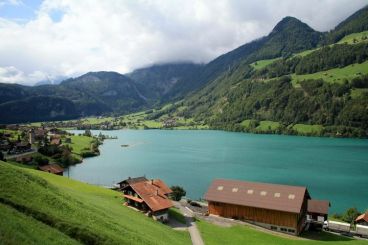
(332, 169)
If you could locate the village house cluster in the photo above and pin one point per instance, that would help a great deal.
(19, 143)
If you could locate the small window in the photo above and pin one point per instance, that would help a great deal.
(291, 196)
(250, 191)
(220, 188)
(277, 194)
(283, 229)
(235, 190)
(274, 228)
(263, 193)
(291, 230)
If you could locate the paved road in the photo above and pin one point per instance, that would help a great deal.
(192, 227)
(19, 155)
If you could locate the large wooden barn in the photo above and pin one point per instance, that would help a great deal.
(277, 207)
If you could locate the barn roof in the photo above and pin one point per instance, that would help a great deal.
(260, 195)
(318, 206)
(51, 168)
(152, 195)
(362, 217)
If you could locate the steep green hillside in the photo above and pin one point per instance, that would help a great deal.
(71, 212)
(357, 22)
(317, 89)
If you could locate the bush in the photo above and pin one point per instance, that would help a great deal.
(350, 215)
(178, 192)
(40, 161)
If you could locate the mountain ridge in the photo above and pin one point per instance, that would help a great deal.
(99, 93)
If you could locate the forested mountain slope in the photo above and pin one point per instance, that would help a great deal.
(264, 80)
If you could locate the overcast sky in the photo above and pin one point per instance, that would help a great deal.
(49, 39)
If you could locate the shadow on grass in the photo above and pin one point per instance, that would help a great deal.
(324, 236)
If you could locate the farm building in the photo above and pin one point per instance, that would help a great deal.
(276, 207)
(362, 219)
(317, 212)
(52, 168)
(149, 196)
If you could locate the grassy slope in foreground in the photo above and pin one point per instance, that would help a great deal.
(213, 234)
(73, 211)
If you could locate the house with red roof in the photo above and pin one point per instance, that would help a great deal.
(148, 196)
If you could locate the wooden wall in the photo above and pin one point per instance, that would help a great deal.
(266, 216)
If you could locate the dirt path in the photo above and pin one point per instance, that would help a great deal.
(195, 235)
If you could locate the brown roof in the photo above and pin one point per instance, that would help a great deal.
(318, 206)
(136, 199)
(362, 217)
(134, 180)
(152, 196)
(51, 168)
(260, 195)
(159, 183)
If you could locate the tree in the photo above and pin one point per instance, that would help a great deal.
(350, 215)
(1, 156)
(40, 160)
(178, 192)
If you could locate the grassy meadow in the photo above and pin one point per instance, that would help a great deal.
(36, 205)
(337, 75)
(80, 143)
(213, 235)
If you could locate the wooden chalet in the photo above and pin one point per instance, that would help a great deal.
(277, 207)
(362, 219)
(149, 196)
(317, 212)
(52, 168)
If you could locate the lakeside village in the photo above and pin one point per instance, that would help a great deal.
(116, 123)
(279, 208)
(45, 148)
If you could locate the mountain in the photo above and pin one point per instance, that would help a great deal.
(94, 93)
(247, 83)
(357, 22)
(289, 36)
(166, 81)
(37, 108)
(287, 92)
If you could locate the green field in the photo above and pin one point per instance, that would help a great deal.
(268, 125)
(213, 235)
(177, 215)
(262, 63)
(43, 206)
(337, 75)
(28, 230)
(80, 143)
(307, 129)
(359, 37)
(359, 93)
(14, 133)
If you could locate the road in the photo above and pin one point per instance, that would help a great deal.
(192, 227)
